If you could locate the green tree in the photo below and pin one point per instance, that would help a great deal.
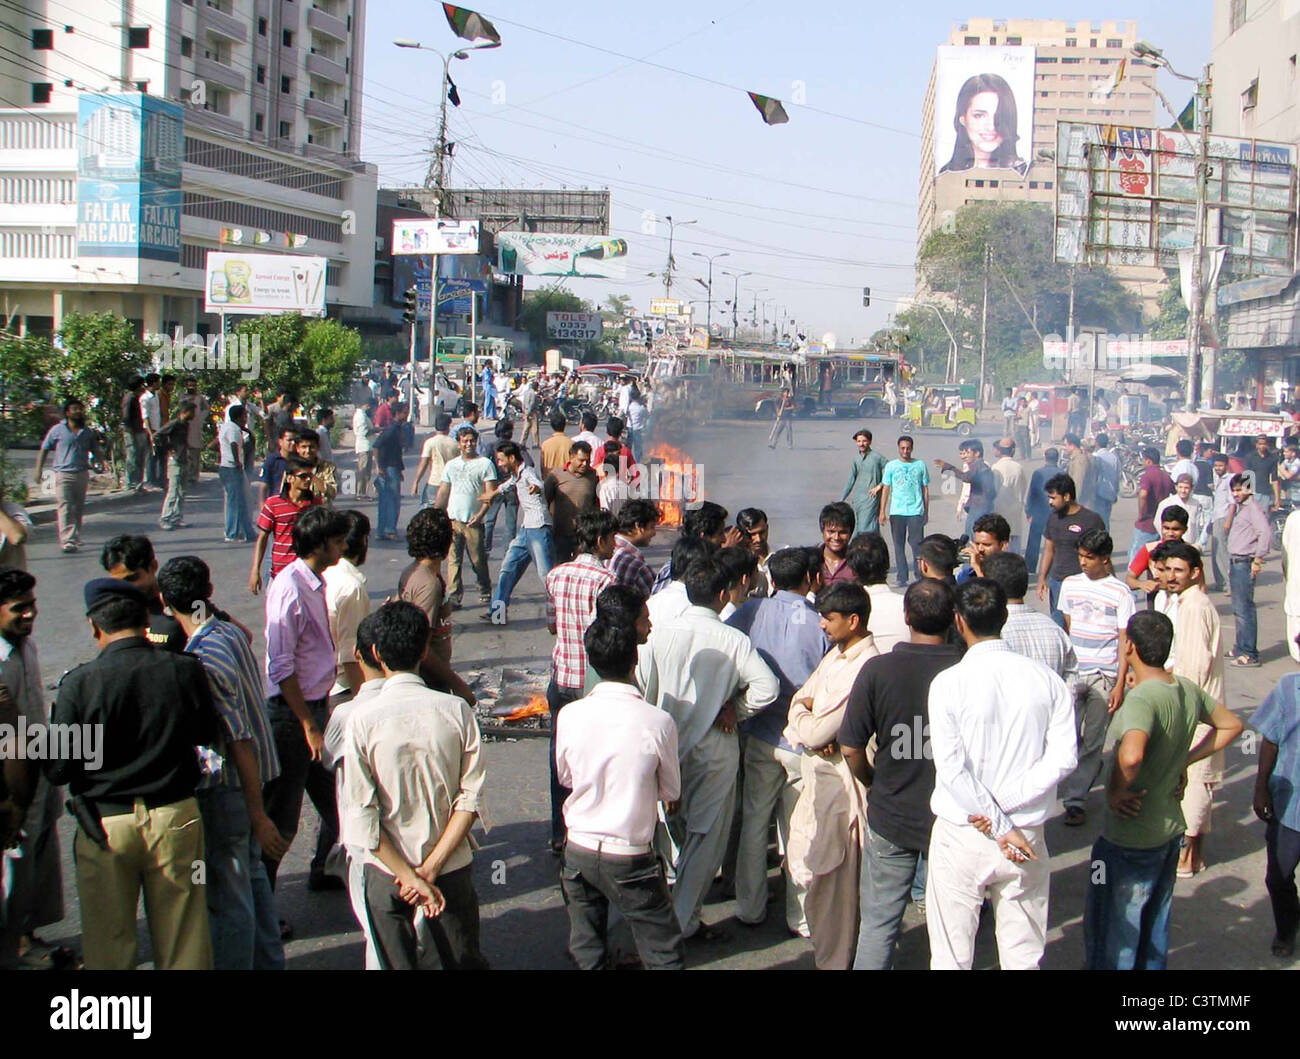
(1171, 323)
(100, 352)
(1029, 291)
(314, 358)
(532, 318)
(26, 367)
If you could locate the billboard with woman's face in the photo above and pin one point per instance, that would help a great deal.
(983, 108)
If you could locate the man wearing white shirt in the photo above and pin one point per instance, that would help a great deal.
(151, 416)
(1219, 507)
(1291, 573)
(334, 758)
(588, 431)
(869, 561)
(1012, 486)
(706, 676)
(672, 602)
(618, 755)
(347, 601)
(1002, 734)
(1185, 463)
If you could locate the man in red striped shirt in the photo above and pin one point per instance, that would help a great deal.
(276, 521)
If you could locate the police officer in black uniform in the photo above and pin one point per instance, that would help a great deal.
(141, 711)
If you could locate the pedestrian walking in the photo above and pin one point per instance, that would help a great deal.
(76, 453)
(172, 444)
(1249, 540)
(784, 421)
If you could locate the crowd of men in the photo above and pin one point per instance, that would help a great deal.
(910, 742)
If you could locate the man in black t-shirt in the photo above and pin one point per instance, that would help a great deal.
(889, 701)
(1261, 462)
(1068, 521)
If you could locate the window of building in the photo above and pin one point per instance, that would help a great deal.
(993, 183)
(979, 183)
(1237, 16)
(971, 40)
(1071, 42)
(1047, 184)
(1013, 41)
(286, 37)
(258, 122)
(142, 86)
(41, 91)
(137, 37)
(286, 130)
(1076, 59)
(42, 40)
(286, 84)
(261, 75)
(1033, 185)
(187, 47)
(261, 27)
(1291, 68)
(1250, 97)
(1114, 42)
(993, 40)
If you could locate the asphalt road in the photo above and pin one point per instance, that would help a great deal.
(1221, 919)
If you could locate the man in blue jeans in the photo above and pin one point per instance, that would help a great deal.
(1131, 882)
(890, 698)
(236, 827)
(388, 447)
(1249, 538)
(905, 505)
(532, 543)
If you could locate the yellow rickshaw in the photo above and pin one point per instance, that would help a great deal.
(943, 408)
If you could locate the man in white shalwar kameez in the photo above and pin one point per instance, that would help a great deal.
(830, 819)
(706, 676)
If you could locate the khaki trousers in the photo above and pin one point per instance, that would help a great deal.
(70, 492)
(158, 850)
(964, 869)
(466, 537)
(773, 780)
(831, 903)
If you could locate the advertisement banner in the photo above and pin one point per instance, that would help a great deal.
(1127, 196)
(435, 235)
(666, 307)
(454, 295)
(575, 327)
(253, 284)
(129, 156)
(538, 254)
(983, 108)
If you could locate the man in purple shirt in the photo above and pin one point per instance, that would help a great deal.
(300, 669)
(1154, 485)
(1249, 538)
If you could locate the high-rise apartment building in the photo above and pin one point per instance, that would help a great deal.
(1044, 71)
(131, 135)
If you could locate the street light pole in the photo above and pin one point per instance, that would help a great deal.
(1196, 301)
(950, 370)
(435, 177)
(668, 271)
(710, 259)
(735, 301)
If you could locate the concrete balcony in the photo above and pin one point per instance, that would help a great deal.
(220, 24)
(220, 74)
(327, 24)
(326, 112)
(328, 69)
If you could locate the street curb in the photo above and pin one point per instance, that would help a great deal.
(45, 513)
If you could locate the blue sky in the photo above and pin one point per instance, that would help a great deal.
(816, 209)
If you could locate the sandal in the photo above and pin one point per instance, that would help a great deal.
(707, 933)
(1242, 662)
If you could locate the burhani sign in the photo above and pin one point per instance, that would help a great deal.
(190, 354)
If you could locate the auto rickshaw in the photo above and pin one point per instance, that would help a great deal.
(943, 408)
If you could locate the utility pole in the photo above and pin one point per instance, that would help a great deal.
(984, 328)
(1196, 308)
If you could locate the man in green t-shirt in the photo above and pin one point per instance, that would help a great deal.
(1131, 877)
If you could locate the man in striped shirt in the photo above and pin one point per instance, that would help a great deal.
(571, 591)
(1030, 632)
(638, 521)
(279, 516)
(1097, 606)
(236, 828)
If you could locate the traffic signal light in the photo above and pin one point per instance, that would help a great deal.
(866, 297)
(411, 301)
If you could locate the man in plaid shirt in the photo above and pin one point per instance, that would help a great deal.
(638, 521)
(1030, 632)
(571, 591)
